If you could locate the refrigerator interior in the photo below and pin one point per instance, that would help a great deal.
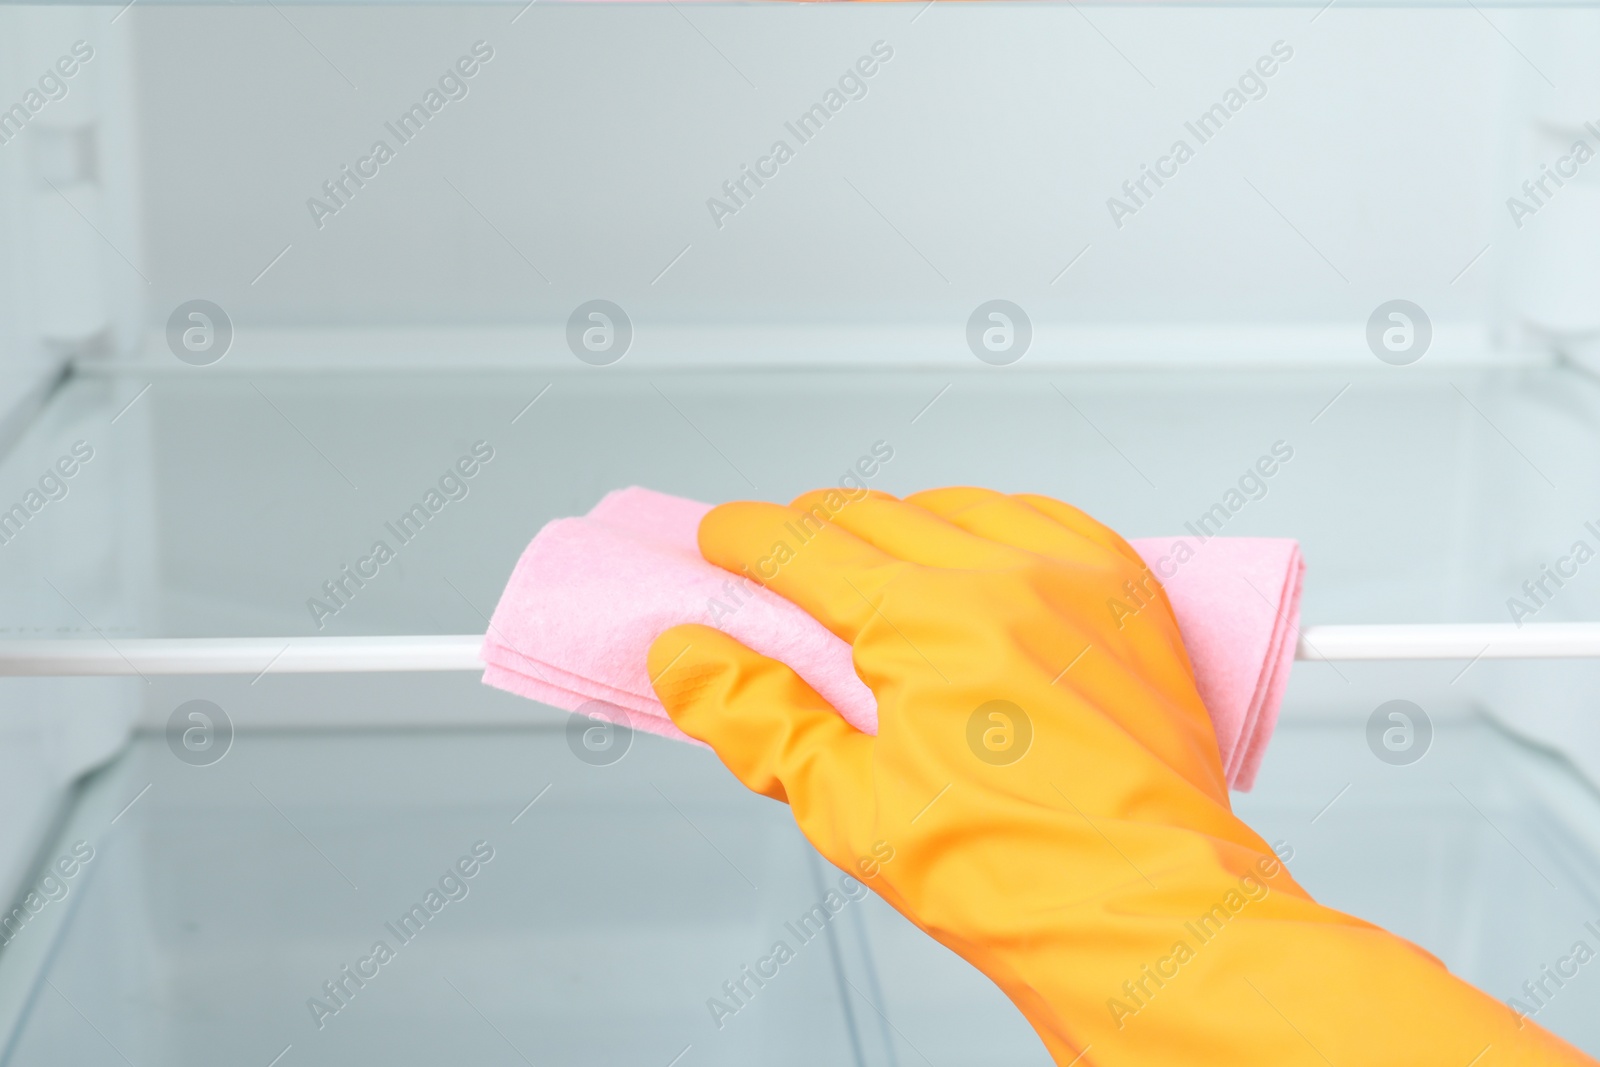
(369, 348)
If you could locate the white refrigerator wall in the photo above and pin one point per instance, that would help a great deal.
(588, 157)
(69, 238)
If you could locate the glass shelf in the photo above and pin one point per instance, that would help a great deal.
(620, 898)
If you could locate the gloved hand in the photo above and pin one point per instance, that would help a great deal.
(1049, 788)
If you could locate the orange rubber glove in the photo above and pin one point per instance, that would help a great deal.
(1045, 796)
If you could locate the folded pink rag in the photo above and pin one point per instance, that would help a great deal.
(590, 594)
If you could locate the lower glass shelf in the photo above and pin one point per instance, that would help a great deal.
(536, 908)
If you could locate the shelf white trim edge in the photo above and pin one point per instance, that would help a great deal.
(1550, 640)
(459, 652)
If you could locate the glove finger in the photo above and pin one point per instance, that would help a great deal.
(1082, 523)
(1036, 523)
(1141, 587)
(1016, 521)
(912, 533)
(772, 730)
(826, 570)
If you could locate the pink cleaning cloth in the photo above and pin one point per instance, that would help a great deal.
(590, 594)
